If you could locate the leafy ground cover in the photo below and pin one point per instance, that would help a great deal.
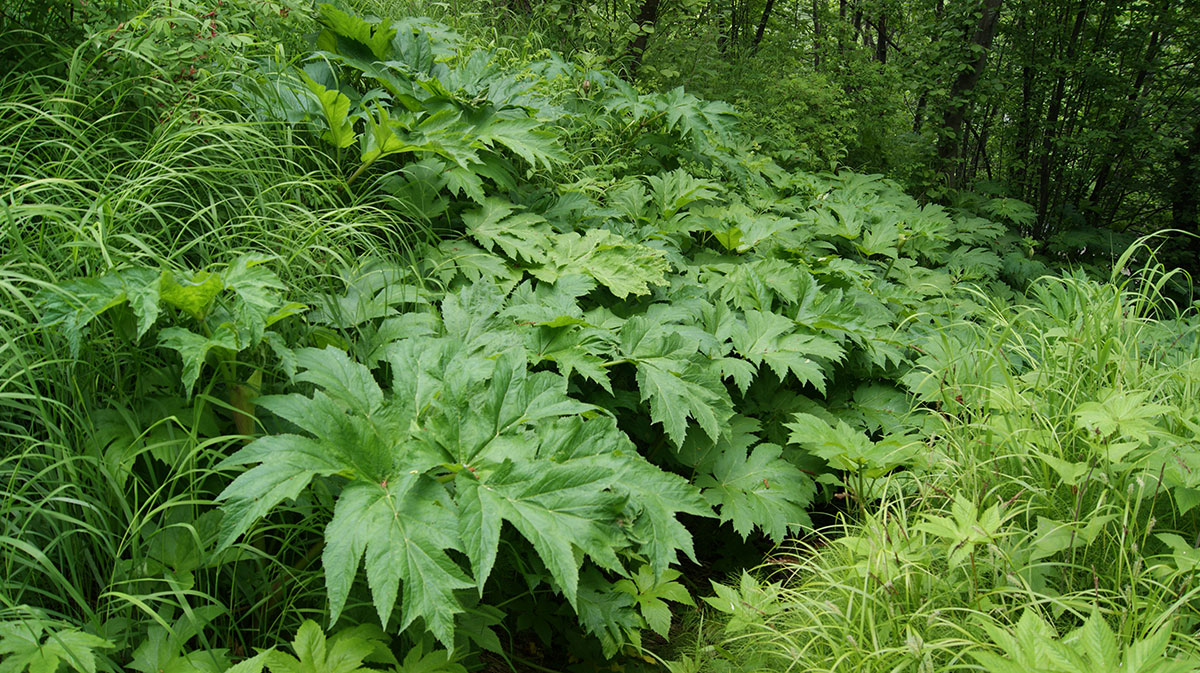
(396, 353)
(1052, 533)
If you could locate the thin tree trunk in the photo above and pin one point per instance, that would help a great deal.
(762, 23)
(1140, 82)
(816, 21)
(648, 16)
(952, 123)
(841, 29)
(734, 25)
(1052, 132)
(919, 116)
(1025, 131)
(722, 41)
(882, 41)
(981, 137)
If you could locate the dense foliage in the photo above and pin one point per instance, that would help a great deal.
(1085, 110)
(398, 348)
(1050, 535)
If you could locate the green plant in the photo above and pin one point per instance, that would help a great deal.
(965, 530)
(222, 317)
(1034, 645)
(410, 102)
(107, 489)
(428, 470)
(31, 646)
(174, 43)
(1054, 417)
(636, 332)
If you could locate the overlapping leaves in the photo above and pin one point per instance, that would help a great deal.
(458, 445)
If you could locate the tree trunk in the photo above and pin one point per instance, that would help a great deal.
(648, 16)
(816, 21)
(841, 27)
(952, 123)
(1140, 82)
(722, 41)
(939, 11)
(734, 24)
(762, 23)
(1025, 131)
(1052, 132)
(882, 41)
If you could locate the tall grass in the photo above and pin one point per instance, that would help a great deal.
(1063, 412)
(103, 495)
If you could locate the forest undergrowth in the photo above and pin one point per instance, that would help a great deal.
(395, 349)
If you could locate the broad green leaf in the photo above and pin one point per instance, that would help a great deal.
(1071, 473)
(651, 590)
(466, 182)
(400, 529)
(523, 137)
(623, 267)
(382, 138)
(193, 296)
(881, 239)
(523, 236)
(373, 35)
(293, 462)
(1096, 640)
(165, 647)
(964, 528)
(695, 119)
(1119, 414)
(772, 338)
(677, 190)
(879, 407)
(479, 422)
(571, 351)
(254, 664)
(253, 282)
(1050, 538)
(753, 229)
(654, 495)
(437, 661)
(142, 290)
(1147, 653)
(194, 349)
(314, 655)
(551, 305)
(23, 648)
(965, 263)
(606, 613)
(1184, 556)
(747, 604)
(740, 285)
(346, 381)
(659, 496)
(474, 263)
(335, 105)
(674, 397)
(73, 305)
(559, 508)
(848, 449)
(759, 490)
(676, 388)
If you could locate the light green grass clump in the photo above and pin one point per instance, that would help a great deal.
(1056, 530)
(91, 182)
